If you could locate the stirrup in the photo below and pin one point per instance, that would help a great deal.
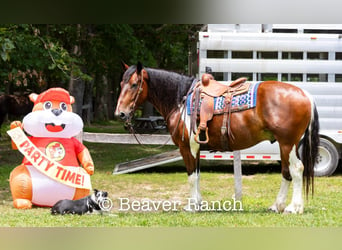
(206, 136)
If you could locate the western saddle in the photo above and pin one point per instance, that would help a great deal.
(203, 98)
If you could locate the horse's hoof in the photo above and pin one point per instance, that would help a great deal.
(273, 209)
(294, 209)
(277, 208)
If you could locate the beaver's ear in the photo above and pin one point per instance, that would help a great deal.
(72, 99)
(33, 97)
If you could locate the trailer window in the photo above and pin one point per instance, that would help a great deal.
(284, 30)
(218, 76)
(242, 54)
(267, 77)
(267, 55)
(338, 56)
(217, 54)
(317, 77)
(292, 55)
(249, 76)
(292, 77)
(317, 55)
(338, 78)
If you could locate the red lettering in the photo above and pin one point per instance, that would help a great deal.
(43, 159)
(35, 156)
(78, 179)
(59, 170)
(24, 144)
(29, 150)
(70, 176)
(49, 164)
(64, 172)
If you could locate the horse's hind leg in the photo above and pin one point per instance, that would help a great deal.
(280, 203)
(292, 169)
(296, 171)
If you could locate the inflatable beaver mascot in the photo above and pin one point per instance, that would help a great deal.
(50, 170)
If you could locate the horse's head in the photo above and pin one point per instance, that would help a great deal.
(133, 90)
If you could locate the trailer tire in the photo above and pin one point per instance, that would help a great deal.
(327, 160)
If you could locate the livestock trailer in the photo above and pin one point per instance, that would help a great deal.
(308, 56)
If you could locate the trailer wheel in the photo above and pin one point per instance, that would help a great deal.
(327, 159)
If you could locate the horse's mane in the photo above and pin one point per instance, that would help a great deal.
(172, 86)
(128, 73)
(164, 86)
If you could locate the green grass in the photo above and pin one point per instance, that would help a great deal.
(106, 127)
(169, 183)
(259, 192)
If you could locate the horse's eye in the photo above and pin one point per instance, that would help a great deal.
(47, 105)
(134, 85)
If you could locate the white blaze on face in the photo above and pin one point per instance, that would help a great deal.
(122, 100)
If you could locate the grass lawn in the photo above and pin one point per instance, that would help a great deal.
(169, 183)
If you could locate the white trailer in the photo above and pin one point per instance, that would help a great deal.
(308, 56)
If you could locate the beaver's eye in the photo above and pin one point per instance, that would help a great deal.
(47, 105)
(63, 106)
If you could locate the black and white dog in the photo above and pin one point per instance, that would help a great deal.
(85, 205)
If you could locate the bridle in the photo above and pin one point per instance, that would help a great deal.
(128, 122)
(140, 89)
(131, 113)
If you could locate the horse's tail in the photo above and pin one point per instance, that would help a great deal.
(310, 144)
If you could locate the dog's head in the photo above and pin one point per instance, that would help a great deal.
(99, 196)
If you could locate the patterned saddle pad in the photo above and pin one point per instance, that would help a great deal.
(238, 103)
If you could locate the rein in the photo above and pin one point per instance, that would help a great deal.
(133, 132)
(181, 107)
(131, 115)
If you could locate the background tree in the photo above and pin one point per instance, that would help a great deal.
(86, 58)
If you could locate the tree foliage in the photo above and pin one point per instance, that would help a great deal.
(35, 57)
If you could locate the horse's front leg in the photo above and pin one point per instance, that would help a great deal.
(191, 157)
(190, 151)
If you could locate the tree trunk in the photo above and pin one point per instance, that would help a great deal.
(76, 89)
(77, 85)
(111, 98)
(101, 110)
(87, 112)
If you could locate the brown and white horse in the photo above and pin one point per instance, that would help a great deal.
(283, 113)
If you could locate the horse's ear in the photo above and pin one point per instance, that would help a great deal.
(139, 67)
(124, 65)
(33, 97)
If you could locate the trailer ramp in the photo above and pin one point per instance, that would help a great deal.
(147, 162)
